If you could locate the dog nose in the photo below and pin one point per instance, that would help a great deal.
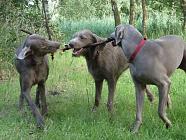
(71, 45)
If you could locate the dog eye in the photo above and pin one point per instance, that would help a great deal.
(82, 37)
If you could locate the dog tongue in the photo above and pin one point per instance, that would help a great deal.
(77, 52)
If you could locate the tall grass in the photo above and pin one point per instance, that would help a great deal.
(101, 27)
(158, 24)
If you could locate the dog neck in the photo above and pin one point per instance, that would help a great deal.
(93, 52)
(36, 60)
(131, 39)
(39, 60)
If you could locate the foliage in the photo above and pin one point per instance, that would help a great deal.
(164, 16)
(85, 9)
(15, 15)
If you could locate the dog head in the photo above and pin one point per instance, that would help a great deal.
(126, 32)
(119, 34)
(37, 45)
(82, 39)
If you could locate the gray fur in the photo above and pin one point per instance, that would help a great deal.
(154, 64)
(32, 65)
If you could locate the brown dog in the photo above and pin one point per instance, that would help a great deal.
(103, 62)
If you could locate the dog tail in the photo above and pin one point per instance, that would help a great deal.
(183, 62)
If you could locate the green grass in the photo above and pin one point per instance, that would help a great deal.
(70, 115)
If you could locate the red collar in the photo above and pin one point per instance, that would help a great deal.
(138, 48)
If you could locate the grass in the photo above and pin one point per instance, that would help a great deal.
(70, 115)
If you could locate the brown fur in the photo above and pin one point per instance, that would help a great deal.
(104, 62)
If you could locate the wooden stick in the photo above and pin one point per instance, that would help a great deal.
(67, 47)
(25, 31)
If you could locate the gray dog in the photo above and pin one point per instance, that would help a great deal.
(103, 62)
(151, 62)
(32, 65)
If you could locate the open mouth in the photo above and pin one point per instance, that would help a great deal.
(77, 52)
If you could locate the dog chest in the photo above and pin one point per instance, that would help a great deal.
(39, 73)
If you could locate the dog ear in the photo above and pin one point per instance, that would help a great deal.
(21, 54)
(94, 38)
(119, 34)
(96, 50)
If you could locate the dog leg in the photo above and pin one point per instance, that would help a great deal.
(163, 100)
(139, 106)
(21, 101)
(183, 62)
(42, 90)
(98, 85)
(21, 98)
(37, 100)
(149, 95)
(111, 89)
(169, 102)
(35, 112)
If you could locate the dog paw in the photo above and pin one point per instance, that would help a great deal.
(40, 122)
(20, 107)
(44, 112)
(94, 109)
(168, 125)
(135, 127)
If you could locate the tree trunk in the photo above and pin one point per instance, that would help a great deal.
(37, 4)
(116, 12)
(144, 22)
(183, 5)
(132, 12)
(46, 16)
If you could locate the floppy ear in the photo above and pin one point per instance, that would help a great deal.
(21, 53)
(119, 34)
(94, 38)
(112, 35)
(98, 39)
(97, 48)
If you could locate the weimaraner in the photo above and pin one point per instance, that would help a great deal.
(151, 62)
(32, 65)
(103, 62)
